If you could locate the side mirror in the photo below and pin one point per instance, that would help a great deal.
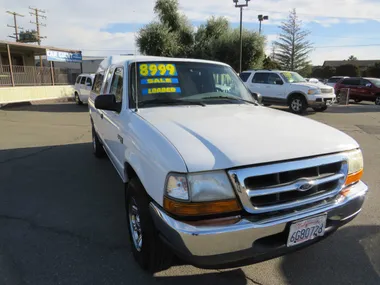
(107, 102)
(257, 97)
(279, 82)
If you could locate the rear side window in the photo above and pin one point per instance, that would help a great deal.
(97, 83)
(261, 77)
(83, 81)
(351, 81)
(244, 76)
(78, 79)
(88, 81)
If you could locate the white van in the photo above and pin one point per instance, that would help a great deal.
(83, 86)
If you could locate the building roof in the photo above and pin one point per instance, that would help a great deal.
(364, 63)
(38, 50)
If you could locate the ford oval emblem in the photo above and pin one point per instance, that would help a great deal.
(305, 186)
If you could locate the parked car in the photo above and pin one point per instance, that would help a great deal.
(288, 88)
(361, 88)
(212, 176)
(83, 86)
(333, 80)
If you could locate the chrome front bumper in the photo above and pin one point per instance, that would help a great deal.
(247, 241)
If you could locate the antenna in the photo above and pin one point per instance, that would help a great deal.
(137, 93)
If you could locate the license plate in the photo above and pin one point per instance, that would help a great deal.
(308, 229)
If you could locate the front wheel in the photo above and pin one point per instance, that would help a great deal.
(320, 109)
(377, 101)
(146, 245)
(77, 99)
(297, 104)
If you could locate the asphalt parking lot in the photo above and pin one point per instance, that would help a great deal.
(62, 217)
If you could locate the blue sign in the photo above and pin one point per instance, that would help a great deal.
(62, 56)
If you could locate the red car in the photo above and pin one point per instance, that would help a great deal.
(361, 89)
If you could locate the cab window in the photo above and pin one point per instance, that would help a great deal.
(83, 81)
(88, 81)
(117, 84)
(78, 79)
(97, 83)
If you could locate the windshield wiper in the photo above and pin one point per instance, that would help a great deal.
(230, 98)
(169, 102)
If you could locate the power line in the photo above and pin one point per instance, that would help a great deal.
(316, 15)
(15, 15)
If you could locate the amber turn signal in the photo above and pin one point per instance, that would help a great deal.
(199, 209)
(354, 177)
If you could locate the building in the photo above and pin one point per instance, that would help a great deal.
(21, 79)
(362, 64)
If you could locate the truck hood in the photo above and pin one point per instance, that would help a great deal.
(226, 136)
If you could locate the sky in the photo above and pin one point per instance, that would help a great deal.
(338, 28)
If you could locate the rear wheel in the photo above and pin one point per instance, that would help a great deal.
(146, 245)
(377, 100)
(320, 109)
(77, 99)
(297, 104)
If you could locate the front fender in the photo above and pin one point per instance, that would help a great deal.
(296, 92)
(151, 155)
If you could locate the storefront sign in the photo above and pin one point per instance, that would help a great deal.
(63, 56)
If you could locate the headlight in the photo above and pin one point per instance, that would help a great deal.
(200, 194)
(355, 166)
(313, 91)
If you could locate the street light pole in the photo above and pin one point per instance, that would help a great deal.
(261, 18)
(241, 29)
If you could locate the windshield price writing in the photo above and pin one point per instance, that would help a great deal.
(153, 69)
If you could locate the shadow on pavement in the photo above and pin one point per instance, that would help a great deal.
(62, 221)
(349, 256)
(50, 108)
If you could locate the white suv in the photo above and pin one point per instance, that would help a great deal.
(83, 86)
(288, 88)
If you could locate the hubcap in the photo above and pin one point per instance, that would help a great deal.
(134, 223)
(296, 104)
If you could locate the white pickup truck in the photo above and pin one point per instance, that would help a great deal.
(211, 174)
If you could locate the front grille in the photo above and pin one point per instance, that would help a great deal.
(289, 185)
(326, 90)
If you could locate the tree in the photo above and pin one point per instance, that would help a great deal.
(306, 71)
(268, 63)
(374, 71)
(348, 70)
(351, 58)
(317, 72)
(328, 71)
(173, 35)
(293, 46)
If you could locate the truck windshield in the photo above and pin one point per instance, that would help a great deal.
(292, 77)
(173, 83)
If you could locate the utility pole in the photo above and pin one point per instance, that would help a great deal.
(237, 5)
(37, 12)
(15, 15)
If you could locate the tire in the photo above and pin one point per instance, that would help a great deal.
(297, 104)
(357, 100)
(320, 109)
(97, 147)
(377, 100)
(77, 99)
(151, 253)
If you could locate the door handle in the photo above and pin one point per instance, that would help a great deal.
(101, 116)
